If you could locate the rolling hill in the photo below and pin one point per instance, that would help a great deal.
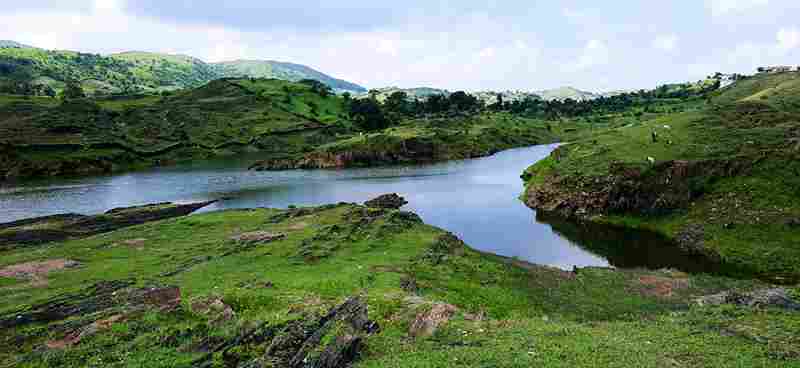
(28, 70)
(281, 70)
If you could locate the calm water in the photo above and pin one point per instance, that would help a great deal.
(476, 199)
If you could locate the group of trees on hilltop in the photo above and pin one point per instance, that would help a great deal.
(372, 114)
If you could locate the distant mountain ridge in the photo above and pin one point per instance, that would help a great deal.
(34, 71)
(490, 97)
(8, 44)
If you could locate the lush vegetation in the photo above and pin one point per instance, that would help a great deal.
(27, 70)
(720, 178)
(205, 291)
(288, 124)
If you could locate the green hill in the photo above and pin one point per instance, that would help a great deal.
(721, 180)
(281, 70)
(40, 136)
(32, 71)
(287, 124)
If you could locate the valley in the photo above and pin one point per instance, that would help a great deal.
(218, 222)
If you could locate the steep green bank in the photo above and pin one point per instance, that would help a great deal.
(422, 140)
(376, 287)
(723, 181)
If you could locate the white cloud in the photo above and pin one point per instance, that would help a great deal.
(108, 5)
(487, 52)
(667, 43)
(594, 53)
(387, 47)
(725, 7)
(788, 38)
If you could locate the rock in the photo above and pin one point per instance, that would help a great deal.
(426, 324)
(294, 344)
(388, 201)
(258, 237)
(215, 308)
(793, 223)
(445, 246)
(33, 270)
(662, 287)
(135, 243)
(409, 284)
(164, 298)
(774, 297)
(340, 353)
(70, 226)
(76, 336)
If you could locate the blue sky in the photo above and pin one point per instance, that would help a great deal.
(465, 44)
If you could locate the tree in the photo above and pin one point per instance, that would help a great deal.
(368, 115)
(318, 87)
(397, 102)
(73, 91)
(463, 101)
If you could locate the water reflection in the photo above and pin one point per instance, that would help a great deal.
(476, 199)
(629, 248)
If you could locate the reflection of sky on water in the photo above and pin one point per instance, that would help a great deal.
(476, 199)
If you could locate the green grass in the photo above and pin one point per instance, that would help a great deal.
(534, 315)
(750, 126)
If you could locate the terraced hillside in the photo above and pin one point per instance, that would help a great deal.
(723, 180)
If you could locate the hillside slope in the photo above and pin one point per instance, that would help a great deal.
(722, 180)
(33, 71)
(281, 70)
(286, 124)
(43, 137)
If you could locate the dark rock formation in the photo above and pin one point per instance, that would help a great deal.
(660, 188)
(775, 297)
(299, 343)
(70, 226)
(388, 201)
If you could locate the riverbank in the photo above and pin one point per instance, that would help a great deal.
(421, 141)
(721, 181)
(289, 125)
(328, 285)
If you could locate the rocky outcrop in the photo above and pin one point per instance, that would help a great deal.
(774, 297)
(659, 188)
(61, 227)
(426, 323)
(388, 201)
(333, 340)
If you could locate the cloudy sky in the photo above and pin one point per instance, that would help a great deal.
(454, 44)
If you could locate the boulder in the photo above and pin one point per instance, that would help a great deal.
(773, 297)
(258, 237)
(388, 201)
(426, 324)
(215, 308)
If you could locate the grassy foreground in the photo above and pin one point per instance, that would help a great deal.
(244, 288)
(723, 180)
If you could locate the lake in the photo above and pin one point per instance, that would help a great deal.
(476, 199)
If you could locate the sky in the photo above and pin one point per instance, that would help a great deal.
(453, 44)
